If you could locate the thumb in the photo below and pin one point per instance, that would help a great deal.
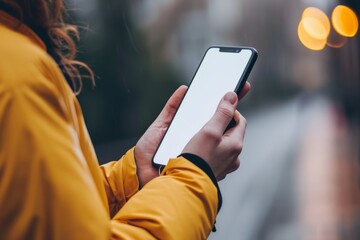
(224, 112)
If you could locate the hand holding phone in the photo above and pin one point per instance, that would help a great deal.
(222, 69)
(220, 150)
(148, 143)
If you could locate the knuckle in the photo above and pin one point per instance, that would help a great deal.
(210, 133)
(226, 111)
(237, 164)
(237, 147)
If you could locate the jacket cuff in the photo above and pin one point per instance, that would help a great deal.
(200, 163)
(131, 180)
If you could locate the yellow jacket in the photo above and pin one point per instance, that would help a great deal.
(51, 186)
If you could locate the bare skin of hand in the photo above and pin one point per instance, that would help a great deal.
(148, 143)
(220, 150)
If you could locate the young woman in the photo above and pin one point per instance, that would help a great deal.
(51, 186)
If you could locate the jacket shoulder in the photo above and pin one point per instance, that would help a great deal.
(22, 61)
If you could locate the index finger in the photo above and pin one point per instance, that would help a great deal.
(239, 129)
(171, 106)
(246, 88)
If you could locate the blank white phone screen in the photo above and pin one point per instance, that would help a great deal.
(219, 73)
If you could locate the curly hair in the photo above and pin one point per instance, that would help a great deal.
(46, 19)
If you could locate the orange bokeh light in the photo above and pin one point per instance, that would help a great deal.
(315, 31)
(312, 33)
(314, 28)
(344, 21)
(318, 14)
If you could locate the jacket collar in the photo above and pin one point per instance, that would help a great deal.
(13, 23)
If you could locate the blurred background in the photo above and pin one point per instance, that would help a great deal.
(299, 176)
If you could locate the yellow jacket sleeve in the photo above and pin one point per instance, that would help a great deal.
(180, 204)
(120, 181)
(163, 208)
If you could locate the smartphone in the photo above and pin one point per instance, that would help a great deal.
(221, 70)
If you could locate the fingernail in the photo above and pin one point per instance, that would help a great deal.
(230, 97)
